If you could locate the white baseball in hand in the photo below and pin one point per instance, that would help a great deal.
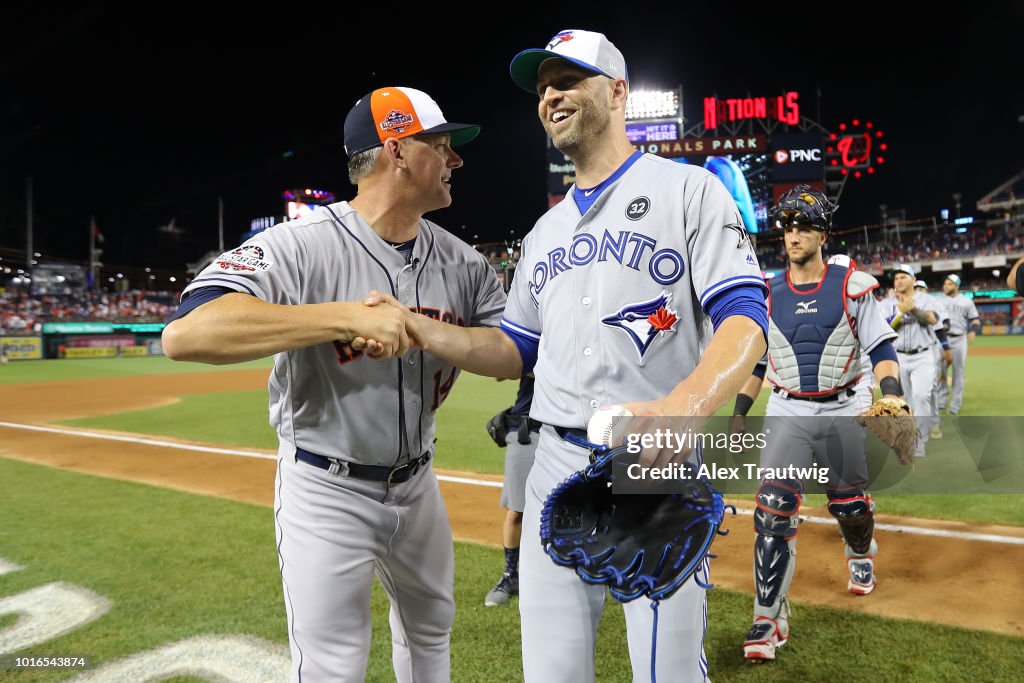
(601, 429)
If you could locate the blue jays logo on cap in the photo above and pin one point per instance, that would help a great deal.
(562, 37)
(645, 321)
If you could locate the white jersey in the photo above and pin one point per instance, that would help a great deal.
(327, 398)
(913, 334)
(616, 296)
(961, 311)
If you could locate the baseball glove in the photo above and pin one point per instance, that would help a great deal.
(892, 421)
(636, 544)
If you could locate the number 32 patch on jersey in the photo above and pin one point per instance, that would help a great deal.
(645, 321)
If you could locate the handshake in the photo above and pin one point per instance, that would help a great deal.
(386, 328)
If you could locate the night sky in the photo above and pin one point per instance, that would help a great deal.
(143, 115)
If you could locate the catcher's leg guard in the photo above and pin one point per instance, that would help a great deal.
(855, 511)
(775, 522)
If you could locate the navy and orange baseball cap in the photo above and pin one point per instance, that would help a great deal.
(395, 112)
(586, 49)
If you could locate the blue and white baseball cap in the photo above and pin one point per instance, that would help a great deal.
(922, 284)
(904, 268)
(586, 49)
(954, 278)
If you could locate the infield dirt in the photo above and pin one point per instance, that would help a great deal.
(968, 583)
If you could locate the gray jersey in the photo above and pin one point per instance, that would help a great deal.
(615, 296)
(961, 312)
(911, 335)
(327, 398)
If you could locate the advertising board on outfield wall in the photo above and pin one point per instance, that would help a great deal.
(21, 348)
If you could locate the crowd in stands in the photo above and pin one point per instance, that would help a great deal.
(911, 247)
(22, 312)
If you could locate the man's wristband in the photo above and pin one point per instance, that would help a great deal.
(743, 404)
(890, 386)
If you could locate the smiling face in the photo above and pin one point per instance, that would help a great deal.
(575, 104)
(949, 287)
(431, 161)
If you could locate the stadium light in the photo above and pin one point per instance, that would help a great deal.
(652, 104)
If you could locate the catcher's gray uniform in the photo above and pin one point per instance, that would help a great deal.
(342, 419)
(962, 312)
(614, 300)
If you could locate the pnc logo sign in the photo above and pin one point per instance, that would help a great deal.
(785, 156)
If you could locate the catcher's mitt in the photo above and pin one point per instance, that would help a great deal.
(892, 421)
(637, 544)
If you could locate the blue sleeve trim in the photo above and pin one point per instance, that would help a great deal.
(740, 299)
(512, 328)
(883, 351)
(527, 346)
(221, 279)
(198, 297)
(729, 283)
(759, 370)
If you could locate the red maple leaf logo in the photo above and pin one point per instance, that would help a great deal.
(662, 319)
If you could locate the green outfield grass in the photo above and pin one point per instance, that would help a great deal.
(19, 372)
(176, 565)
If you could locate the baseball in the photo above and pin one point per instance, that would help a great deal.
(601, 429)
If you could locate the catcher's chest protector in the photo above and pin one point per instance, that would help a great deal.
(812, 345)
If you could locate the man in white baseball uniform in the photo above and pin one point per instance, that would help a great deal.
(823, 319)
(642, 286)
(964, 324)
(355, 492)
(913, 315)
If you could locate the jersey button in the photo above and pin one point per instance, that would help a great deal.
(587, 351)
(585, 301)
(412, 361)
(593, 403)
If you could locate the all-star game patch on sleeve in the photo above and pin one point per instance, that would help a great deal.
(721, 255)
(266, 266)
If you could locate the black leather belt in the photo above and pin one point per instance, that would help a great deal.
(568, 431)
(955, 335)
(828, 398)
(393, 475)
(914, 351)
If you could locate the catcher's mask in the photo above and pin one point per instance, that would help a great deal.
(806, 206)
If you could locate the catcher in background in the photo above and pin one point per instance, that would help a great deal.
(513, 430)
(821, 319)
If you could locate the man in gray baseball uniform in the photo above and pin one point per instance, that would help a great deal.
(964, 324)
(823, 318)
(355, 491)
(519, 434)
(913, 315)
(641, 286)
(941, 355)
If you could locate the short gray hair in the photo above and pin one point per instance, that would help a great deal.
(362, 164)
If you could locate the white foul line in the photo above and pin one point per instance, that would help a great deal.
(921, 531)
(135, 439)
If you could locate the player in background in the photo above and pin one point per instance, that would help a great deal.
(355, 494)
(964, 324)
(941, 354)
(822, 318)
(913, 316)
(513, 430)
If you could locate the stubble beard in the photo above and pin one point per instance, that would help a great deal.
(591, 122)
